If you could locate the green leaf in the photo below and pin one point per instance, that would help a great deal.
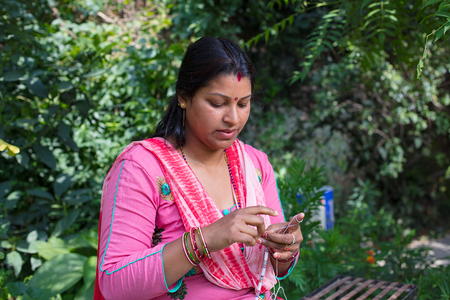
(14, 75)
(36, 87)
(95, 73)
(12, 199)
(65, 86)
(266, 35)
(59, 274)
(41, 194)
(89, 269)
(86, 293)
(61, 184)
(14, 260)
(443, 14)
(5, 188)
(35, 293)
(419, 68)
(52, 248)
(2, 255)
(365, 2)
(35, 263)
(25, 247)
(65, 222)
(283, 24)
(291, 19)
(45, 155)
(64, 134)
(447, 27)
(23, 159)
(16, 288)
(32, 236)
(439, 34)
(431, 2)
(83, 107)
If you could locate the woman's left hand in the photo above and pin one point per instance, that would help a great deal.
(284, 245)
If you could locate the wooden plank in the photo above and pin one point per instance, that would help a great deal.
(412, 294)
(385, 291)
(357, 290)
(399, 292)
(344, 288)
(329, 288)
(373, 289)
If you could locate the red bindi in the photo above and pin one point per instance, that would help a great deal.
(236, 99)
(239, 76)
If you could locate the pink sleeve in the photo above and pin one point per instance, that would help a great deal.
(130, 266)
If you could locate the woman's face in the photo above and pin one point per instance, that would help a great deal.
(218, 112)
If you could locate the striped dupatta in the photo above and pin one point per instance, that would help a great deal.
(229, 268)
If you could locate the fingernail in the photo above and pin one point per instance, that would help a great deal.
(264, 235)
(259, 241)
(277, 255)
(276, 213)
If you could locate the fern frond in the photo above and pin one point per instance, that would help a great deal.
(326, 34)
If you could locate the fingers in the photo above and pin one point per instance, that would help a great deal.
(259, 210)
(297, 218)
(280, 241)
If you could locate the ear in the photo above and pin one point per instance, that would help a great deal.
(181, 100)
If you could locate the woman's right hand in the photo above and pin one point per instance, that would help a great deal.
(236, 227)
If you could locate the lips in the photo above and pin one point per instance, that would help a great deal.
(227, 133)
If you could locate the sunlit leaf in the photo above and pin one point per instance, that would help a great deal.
(35, 263)
(52, 248)
(89, 269)
(14, 260)
(95, 73)
(59, 274)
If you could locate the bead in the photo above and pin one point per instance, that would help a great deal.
(226, 212)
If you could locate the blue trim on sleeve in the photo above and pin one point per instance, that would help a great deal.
(278, 192)
(179, 282)
(110, 228)
(290, 270)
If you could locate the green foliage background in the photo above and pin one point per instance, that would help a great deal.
(357, 89)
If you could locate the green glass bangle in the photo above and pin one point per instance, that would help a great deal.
(187, 249)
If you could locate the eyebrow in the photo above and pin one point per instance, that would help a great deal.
(225, 96)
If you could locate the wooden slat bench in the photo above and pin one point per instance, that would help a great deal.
(352, 288)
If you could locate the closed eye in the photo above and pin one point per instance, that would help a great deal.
(215, 105)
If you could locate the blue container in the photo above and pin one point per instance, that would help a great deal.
(325, 214)
(328, 211)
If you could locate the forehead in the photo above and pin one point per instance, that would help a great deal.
(229, 83)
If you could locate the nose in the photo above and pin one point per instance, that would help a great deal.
(231, 116)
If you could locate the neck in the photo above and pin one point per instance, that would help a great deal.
(202, 155)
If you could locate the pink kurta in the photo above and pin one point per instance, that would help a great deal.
(135, 203)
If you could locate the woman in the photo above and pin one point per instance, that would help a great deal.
(186, 214)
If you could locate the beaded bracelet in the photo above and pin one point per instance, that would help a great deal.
(289, 260)
(187, 253)
(194, 244)
(202, 239)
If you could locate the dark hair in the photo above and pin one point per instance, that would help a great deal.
(203, 61)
